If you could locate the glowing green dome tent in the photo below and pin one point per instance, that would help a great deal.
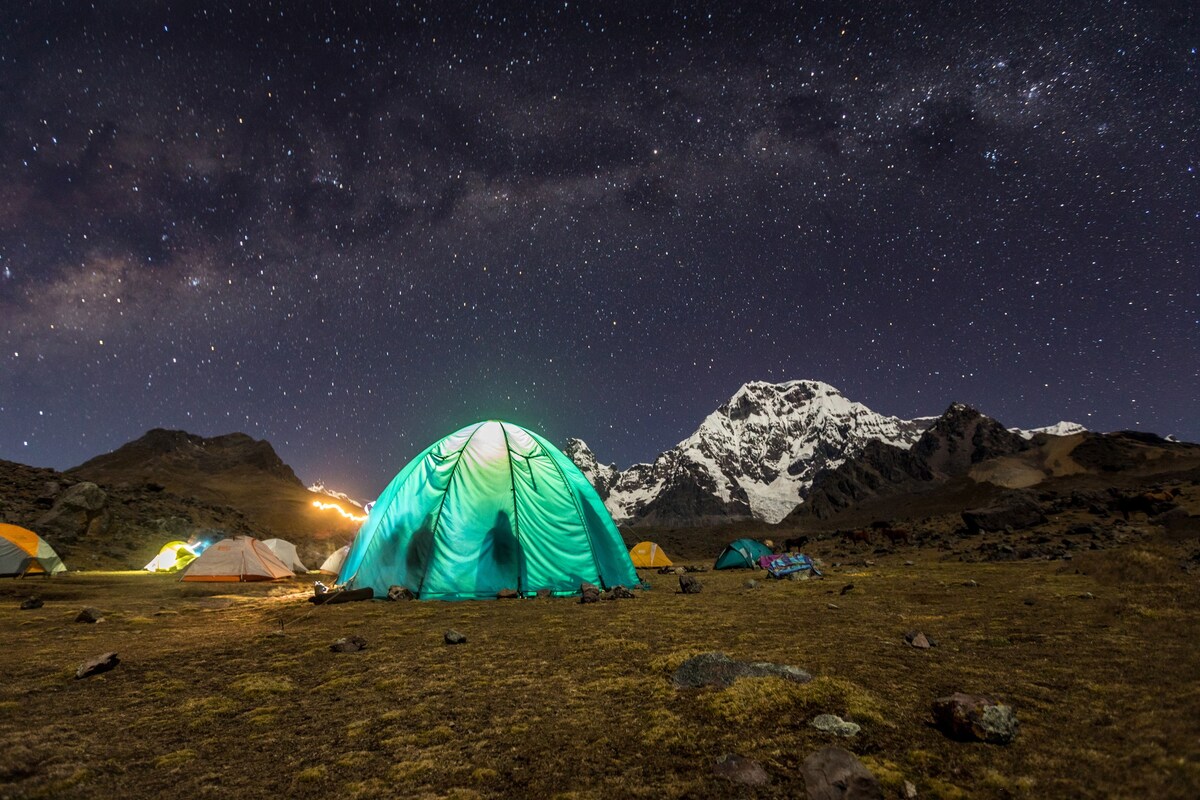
(490, 507)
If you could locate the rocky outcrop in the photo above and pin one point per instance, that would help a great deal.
(601, 476)
(957, 440)
(1012, 512)
(77, 512)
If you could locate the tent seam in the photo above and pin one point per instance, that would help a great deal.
(442, 504)
(512, 483)
(578, 512)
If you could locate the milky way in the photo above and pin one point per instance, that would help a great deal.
(352, 233)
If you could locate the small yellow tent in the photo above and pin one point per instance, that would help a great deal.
(648, 554)
(172, 557)
(23, 552)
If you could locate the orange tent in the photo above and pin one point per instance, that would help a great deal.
(648, 554)
(23, 552)
(240, 559)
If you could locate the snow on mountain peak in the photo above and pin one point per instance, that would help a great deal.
(753, 456)
(1061, 428)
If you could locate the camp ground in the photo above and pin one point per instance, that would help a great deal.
(23, 552)
(492, 507)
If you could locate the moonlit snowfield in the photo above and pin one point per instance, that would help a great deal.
(349, 231)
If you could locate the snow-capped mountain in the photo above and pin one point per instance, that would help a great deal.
(601, 476)
(1062, 428)
(751, 458)
(320, 488)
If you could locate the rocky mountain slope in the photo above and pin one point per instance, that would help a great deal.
(233, 470)
(752, 458)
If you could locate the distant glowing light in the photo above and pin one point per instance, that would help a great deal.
(339, 509)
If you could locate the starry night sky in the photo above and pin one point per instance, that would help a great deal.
(351, 233)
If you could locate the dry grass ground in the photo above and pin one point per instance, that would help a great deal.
(556, 699)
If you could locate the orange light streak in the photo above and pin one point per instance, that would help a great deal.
(340, 510)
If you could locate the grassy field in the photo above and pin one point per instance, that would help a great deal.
(550, 698)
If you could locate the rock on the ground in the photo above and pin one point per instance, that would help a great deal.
(589, 593)
(689, 585)
(508, 594)
(719, 670)
(739, 769)
(919, 640)
(90, 615)
(835, 774)
(349, 644)
(975, 718)
(30, 603)
(832, 723)
(849, 587)
(750, 583)
(94, 666)
(453, 637)
(618, 593)
(542, 594)
(400, 593)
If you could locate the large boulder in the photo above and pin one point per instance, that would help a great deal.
(1013, 513)
(975, 718)
(836, 774)
(79, 511)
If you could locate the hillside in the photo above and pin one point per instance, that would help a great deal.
(231, 470)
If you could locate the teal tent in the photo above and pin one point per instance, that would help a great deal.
(742, 554)
(492, 506)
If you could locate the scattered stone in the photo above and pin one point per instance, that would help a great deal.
(454, 637)
(97, 665)
(975, 718)
(30, 603)
(400, 593)
(589, 593)
(919, 641)
(1087, 596)
(542, 594)
(832, 723)
(835, 774)
(666, 570)
(799, 576)
(849, 587)
(1029, 601)
(719, 670)
(619, 593)
(833, 606)
(349, 644)
(508, 594)
(689, 585)
(909, 563)
(750, 584)
(910, 790)
(90, 616)
(970, 583)
(738, 769)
